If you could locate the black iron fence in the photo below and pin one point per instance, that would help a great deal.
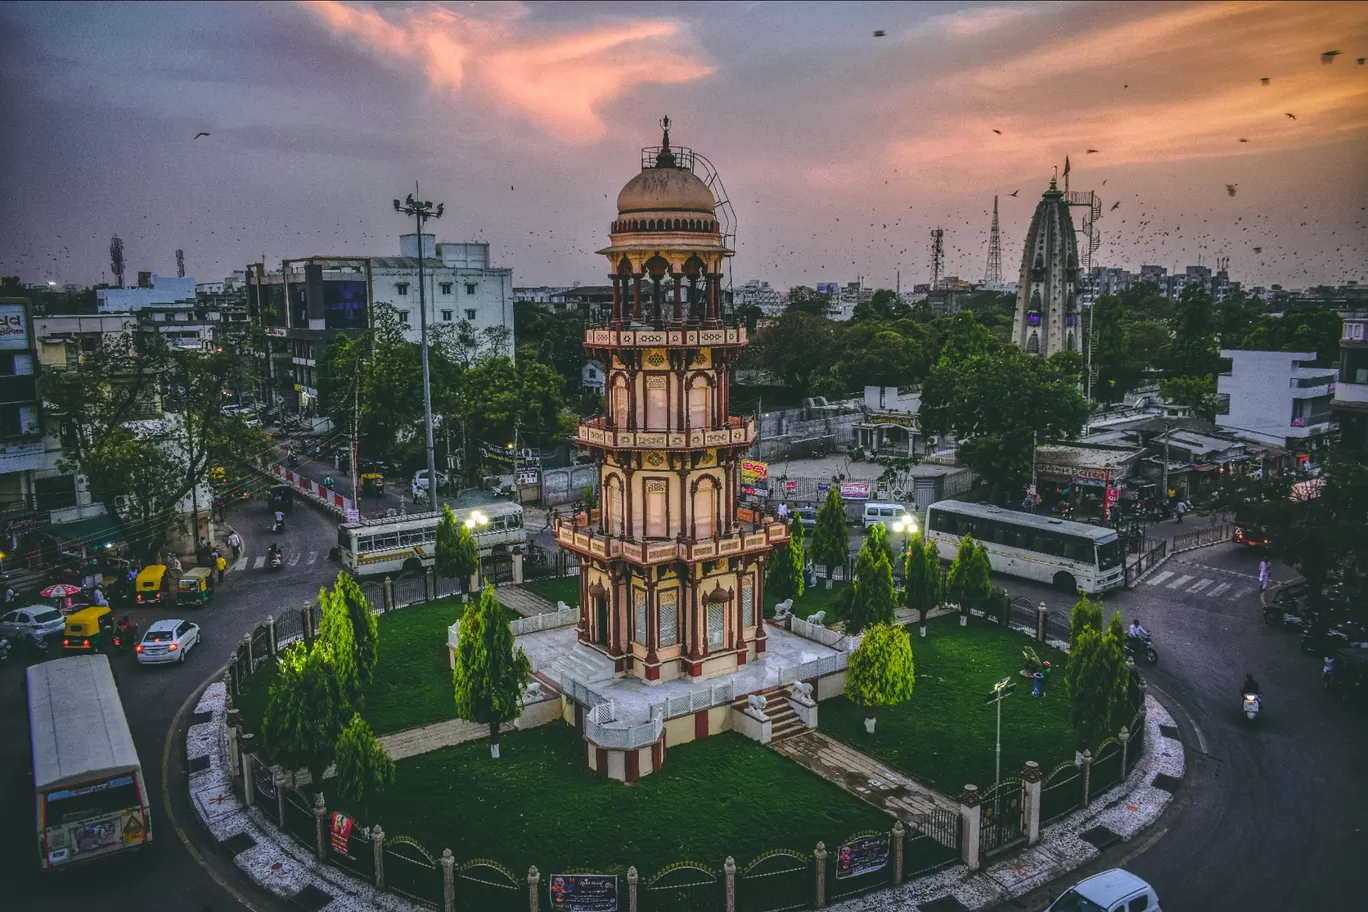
(932, 843)
(863, 862)
(1145, 562)
(1200, 538)
(1061, 792)
(1001, 817)
(411, 872)
(1106, 767)
(354, 854)
(299, 819)
(487, 886)
(775, 882)
(683, 887)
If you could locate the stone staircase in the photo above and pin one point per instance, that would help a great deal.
(784, 722)
(586, 665)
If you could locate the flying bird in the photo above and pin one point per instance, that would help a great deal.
(1114, 205)
(1014, 192)
(198, 135)
(1293, 116)
(1258, 250)
(1263, 79)
(879, 33)
(1090, 152)
(1329, 56)
(1360, 60)
(1230, 188)
(1244, 140)
(998, 132)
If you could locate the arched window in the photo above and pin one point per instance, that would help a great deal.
(635, 223)
(676, 224)
(704, 509)
(698, 404)
(657, 403)
(1033, 344)
(657, 495)
(612, 504)
(650, 225)
(620, 404)
(693, 224)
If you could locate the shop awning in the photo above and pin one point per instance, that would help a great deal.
(94, 533)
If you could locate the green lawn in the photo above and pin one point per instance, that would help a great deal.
(412, 679)
(539, 804)
(565, 589)
(814, 599)
(944, 736)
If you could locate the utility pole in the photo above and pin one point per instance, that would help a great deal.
(421, 212)
(356, 434)
(1034, 489)
(993, 274)
(1166, 464)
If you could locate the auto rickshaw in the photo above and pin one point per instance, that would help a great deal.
(280, 497)
(149, 583)
(372, 484)
(195, 586)
(89, 629)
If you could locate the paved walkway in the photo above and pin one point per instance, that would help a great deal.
(864, 777)
(525, 603)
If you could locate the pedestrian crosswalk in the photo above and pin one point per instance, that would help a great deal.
(1204, 586)
(258, 562)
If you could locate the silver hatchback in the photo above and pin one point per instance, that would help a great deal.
(34, 621)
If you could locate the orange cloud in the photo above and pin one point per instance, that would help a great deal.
(560, 82)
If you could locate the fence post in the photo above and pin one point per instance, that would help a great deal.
(233, 687)
(247, 789)
(1124, 737)
(378, 846)
(247, 641)
(1087, 777)
(1041, 614)
(729, 872)
(271, 641)
(278, 778)
(533, 879)
(448, 881)
(632, 878)
(1031, 785)
(389, 593)
(819, 857)
(234, 747)
(899, 832)
(430, 577)
(970, 824)
(321, 824)
(307, 616)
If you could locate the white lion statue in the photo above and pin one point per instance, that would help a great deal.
(533, 691)
(801, 690)
(818, 619)
(756, 703)
(783, 610)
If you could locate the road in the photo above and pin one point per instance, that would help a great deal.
(1267, 816)
(164, 875)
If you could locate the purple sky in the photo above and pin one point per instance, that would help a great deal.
(840, 150)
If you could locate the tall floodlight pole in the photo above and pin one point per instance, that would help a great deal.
(421, 212)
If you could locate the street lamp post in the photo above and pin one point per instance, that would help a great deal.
(421, 212)
(1001, 690)
(473, 522)
(906, 526)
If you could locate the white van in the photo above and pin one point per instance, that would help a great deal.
(886, 513)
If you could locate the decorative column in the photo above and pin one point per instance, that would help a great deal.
(632, 878)
(617, 298)
(448, 881)
(1030, 787)
(1124, 737)
(677, 278)
(533, 880)
(247, 789)
(270, 627)
(636, 296)
(321, 826)
(729, 873)
(819, 857)
(1041, 612)
(378, 847)
(278, 779)
(430, 578)
(1087, 777)
(899, 832)
(971, 820)
(389, 593)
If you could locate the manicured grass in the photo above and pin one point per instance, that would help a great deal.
(814, 599)
(565, 589)
(412, 684)
(540, 804)
(944, 736)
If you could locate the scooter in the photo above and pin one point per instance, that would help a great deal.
(1142, 647)
(1251, 706)
(275, 561)
(125, 635)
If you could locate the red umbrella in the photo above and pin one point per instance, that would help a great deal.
(60, 590)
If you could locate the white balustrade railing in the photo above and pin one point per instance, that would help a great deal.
(548, 621)
(692, 702)
(816, 668)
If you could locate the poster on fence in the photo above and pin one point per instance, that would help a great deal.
(862, 856)
(584, 893)
(755, 478)
(341, 833)
(855, 490)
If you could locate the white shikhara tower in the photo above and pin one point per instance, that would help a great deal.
(1047, 318)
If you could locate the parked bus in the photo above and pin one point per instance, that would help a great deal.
(92, 800)
(374, 546)
(1069, 555)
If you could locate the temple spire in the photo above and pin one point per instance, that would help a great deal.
(665, 158)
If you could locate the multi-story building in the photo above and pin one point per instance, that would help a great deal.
(309, 301)
(1278, 398)
(1155, 275)
(542, 294)
(150, 291)
(1350, 402)
(757, 293)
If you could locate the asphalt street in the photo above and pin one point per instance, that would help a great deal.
(165, 875)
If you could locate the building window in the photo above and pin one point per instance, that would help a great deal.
(747, 606)
(470, 314)
(446, 287)
(403, 316)
(656, 493)
(717, 617)
(54, 493)
(446, 316)
(639, 628)
(401, 287)
(470, 287)
(669, 620)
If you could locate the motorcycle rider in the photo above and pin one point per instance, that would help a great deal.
(1250, 686)
(279, 520)
(1136, 630)
(273, 552)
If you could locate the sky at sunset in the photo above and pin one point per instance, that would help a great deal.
(840, 150)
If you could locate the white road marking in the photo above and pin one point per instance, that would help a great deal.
(1180, 581)
(1161, 577)
(313, 556)
(241, 563)
(294, 559)
(1200, 585)
(260, 562)
(1218, 590)
(1241, 594)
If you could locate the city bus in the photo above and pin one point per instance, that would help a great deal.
(1071, 556)
(389, 545)
(87, 781)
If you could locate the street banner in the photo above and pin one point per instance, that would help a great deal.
(341, 833)
(855, 490)
(862, 856)
(584, 893)
(790, 487)
(755, 478)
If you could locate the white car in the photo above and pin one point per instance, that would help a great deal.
(1111, 891)
(420, 479)
(167, 641)
(36, 620)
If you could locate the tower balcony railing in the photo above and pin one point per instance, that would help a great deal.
(666, 335)
(577, 533)
(600, 432)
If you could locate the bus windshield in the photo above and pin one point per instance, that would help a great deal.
(1108, 553)
(94, 800)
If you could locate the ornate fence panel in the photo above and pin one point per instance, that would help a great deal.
(359, 858)
(1061, 793)
(1135, 749)
(862, 862)
(1106, 767)
(410, 871)
(1002, 823)
(289, 627)
(447, 586)
(243, 664)
(1023, 612)
(775, 882)
(487, 886)
(683, 887)
(264, 785)
(374, 591)
(261, 643)
(409, 589)
(299, 819)
(316, 615)
(931, 843)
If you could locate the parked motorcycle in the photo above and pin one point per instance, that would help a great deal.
(1142, 647)
(4, 650)
(1251, 706)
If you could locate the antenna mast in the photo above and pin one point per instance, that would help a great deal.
(937, 255)
(994, 273)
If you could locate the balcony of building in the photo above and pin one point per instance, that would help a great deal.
(667, 334)
(600, 432)
(582, 535)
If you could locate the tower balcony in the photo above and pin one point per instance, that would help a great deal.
(669, 335)
(598, 432)
(577, 534)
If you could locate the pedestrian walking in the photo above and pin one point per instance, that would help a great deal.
(235, 542)
(1265, 568)
(220, 565)
(1178, 510)
(416, 491)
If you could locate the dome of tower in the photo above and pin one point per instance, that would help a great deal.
(665, 188)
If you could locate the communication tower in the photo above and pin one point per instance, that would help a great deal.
(994, 273)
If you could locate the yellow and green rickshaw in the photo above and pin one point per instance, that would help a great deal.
(195, 586)
(148, 586)
(90, 629)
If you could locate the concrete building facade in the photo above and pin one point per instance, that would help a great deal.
(1350, 402)
(1277, 398)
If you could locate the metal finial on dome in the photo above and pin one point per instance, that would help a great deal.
(665, 158)
(1054, 180)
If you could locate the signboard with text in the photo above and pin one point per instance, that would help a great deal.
(855, 490)
(899, 418)
(755, 478)
(14, 326)
(584, 893)
(862, 856)
(341, 832)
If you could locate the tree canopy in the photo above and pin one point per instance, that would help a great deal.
(363, 766)
(1096, 675)
(830, 540)
(491, 672)
(785, 579)
(881, 671)
(305, 711)
(922, 577)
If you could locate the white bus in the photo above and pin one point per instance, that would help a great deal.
(92, 800)
(1069, 555)
(376, 546)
